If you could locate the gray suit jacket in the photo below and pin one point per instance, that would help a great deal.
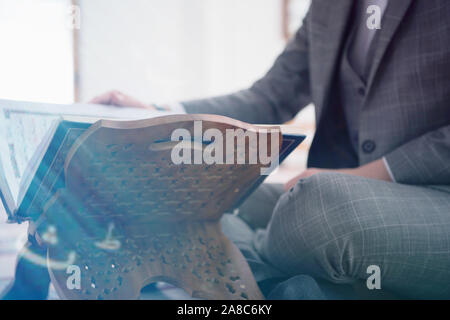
(406, 111)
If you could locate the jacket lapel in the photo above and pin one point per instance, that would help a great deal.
(392, 18)
(329, 41)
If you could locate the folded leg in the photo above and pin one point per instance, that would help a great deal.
(334, 226)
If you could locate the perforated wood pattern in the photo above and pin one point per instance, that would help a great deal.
(133, 217)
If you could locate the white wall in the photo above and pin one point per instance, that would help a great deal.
(167, 50)
(36, 50)
(157, 50)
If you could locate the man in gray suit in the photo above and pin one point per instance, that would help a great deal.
(377, 191)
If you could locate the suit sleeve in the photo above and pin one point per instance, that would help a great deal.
(277, 97)
(424, 160)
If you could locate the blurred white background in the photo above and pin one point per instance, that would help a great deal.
(36, 51)
(156, 50)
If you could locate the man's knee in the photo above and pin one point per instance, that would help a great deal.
(315, 228)
(323, 202)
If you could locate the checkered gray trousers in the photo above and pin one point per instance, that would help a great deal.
(333, 226)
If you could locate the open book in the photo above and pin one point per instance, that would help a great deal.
(30, 132)
(36, 138)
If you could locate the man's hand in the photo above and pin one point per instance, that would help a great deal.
(374, 170)
(117, 98)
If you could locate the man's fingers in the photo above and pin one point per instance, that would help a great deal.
(304, 175)
(103, 98)
(114, 97)
(288, 185)
(291, 183)
(118, 99)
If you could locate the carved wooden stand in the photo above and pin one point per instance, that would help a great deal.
(128, 216)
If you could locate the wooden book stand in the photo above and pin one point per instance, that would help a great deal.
(129, 216)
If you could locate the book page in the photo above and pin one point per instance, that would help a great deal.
(21, 133)
(23, 125)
